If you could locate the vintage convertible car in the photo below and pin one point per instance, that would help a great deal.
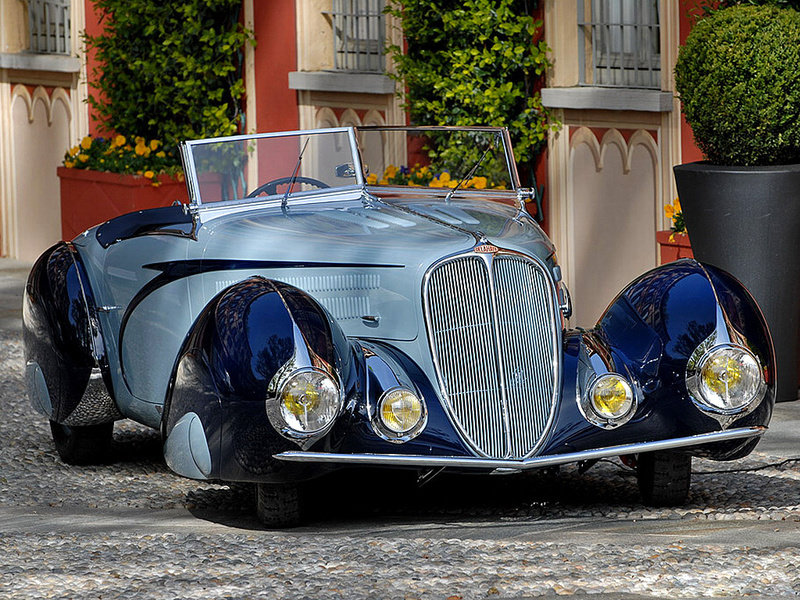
(307, 313)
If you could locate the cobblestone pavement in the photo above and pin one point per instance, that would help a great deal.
(132, 529)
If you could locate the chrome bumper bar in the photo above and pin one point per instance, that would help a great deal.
(534, 462)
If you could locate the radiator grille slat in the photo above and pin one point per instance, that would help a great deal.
(493, 343)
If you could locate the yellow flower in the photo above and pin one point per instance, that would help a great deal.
(141, 150)
(119, 140)
(139, 140)
(69, 164)
(74, 151)
(444, 177)
(669, 211)
(161, 154)
(677, 205)
(384, 181)
(83, 157)
(154, 144)
(480, 182)
(372, 179)
(672, 237)
(149, 174)
(86, 143)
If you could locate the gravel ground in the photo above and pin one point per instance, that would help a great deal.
(368, 540)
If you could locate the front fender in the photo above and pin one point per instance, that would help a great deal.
(655, 325)
(220, 383)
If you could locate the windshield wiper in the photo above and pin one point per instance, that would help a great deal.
(469, 175)
(294, 177)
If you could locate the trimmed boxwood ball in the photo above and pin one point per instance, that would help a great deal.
(738, 76)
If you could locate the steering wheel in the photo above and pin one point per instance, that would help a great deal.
(271, 187)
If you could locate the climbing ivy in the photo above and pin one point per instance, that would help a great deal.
(473, 62)
(169, 70)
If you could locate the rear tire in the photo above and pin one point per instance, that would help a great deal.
(278, 505)
(87, 445)
(664, 478)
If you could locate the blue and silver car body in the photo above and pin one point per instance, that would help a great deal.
(273, 337)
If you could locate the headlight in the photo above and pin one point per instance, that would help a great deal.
(401, 415)
(609, 401)
(727, 378)
(308, 401)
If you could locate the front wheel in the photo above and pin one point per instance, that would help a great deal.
(664, 477)
(278, 505)
(87, 445)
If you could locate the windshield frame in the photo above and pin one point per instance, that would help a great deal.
(193, 185)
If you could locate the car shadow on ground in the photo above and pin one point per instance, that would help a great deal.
(356, 496)
(608, 491)
(136, 445)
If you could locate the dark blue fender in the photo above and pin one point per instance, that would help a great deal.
(649, 332)
(67, 372)
(215, 419)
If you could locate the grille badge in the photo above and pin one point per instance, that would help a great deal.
(486, 249)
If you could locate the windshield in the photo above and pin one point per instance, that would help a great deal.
(284, 165)
(436, 157)
(246, 167)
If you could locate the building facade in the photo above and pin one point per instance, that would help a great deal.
(320, 63)
(42, 113)
(609, 172)
(317, 63)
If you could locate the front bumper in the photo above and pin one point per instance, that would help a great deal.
(535, 462)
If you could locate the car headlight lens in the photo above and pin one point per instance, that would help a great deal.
(729, 378)
(401, 414)
(611, 396)
(309, 401)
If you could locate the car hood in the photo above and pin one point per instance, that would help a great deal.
(364, 262)
(412, 230)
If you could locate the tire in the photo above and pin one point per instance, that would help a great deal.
(88, 445)
(664, 478)
(278, 505)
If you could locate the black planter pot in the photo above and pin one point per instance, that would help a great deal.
(746, 220)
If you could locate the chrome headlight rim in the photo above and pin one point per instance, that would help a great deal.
(393, 436)
(694, 368)
(591, 414)
(275, 414)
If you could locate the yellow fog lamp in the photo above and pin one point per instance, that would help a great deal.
(401, 415)
(610, 401)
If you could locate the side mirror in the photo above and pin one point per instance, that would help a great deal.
(345, 171)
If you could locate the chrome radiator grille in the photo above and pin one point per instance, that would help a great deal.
(494, 336)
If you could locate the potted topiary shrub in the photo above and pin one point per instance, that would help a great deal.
(738, 76)
(167, 71)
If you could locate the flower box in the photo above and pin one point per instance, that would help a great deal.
(673, 249)
(92, 197)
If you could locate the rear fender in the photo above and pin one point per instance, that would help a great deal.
(66, 372)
